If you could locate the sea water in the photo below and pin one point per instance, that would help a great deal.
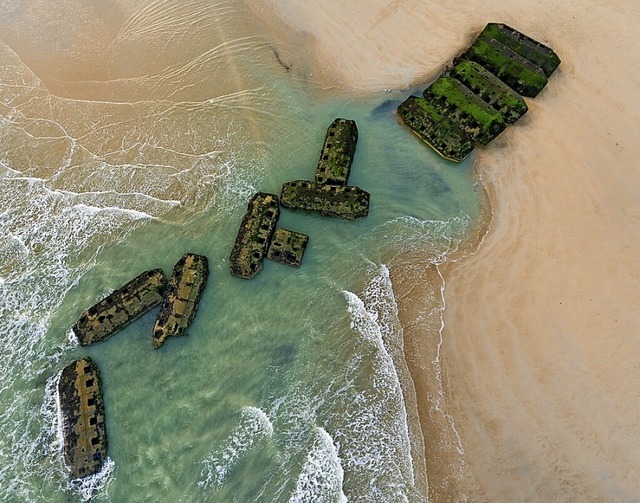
(290, 387)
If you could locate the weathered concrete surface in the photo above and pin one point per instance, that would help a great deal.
(287, 247)
(342, 201)
(121, 307)
(337, 152)
(254, 235)
(513, 69)
(539, 54)
(445, 137)
(181, 298)
(490, 89)
(81, 410)
(461, 106)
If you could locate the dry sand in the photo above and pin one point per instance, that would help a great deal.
(540, 348)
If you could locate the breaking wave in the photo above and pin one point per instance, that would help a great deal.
(322, 475)
(253, 428)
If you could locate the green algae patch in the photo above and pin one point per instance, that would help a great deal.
(490, 89)
(513, 69)
(336, 157)
(432, 127)
(539, 54)
(460, 105)
(341, 201)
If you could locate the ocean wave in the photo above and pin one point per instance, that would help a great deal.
(379, 443)
(253, 428)
(437, 238)
(322, 474)
(53, 232)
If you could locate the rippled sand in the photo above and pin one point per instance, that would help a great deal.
(535, 395)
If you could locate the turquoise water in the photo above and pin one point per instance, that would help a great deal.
(291, 387)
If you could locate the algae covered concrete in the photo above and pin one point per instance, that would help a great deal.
(81, 410)
(287, 247)
(120, 308)
(460, 105)
(490, 89)
(435, 129)
(336, 157)
(254, 235)
(180, 300)
(342, 201)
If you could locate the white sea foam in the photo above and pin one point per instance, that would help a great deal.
(322, 475)
(52, 232)
(437, 237)
(253, 428)
(378, 442)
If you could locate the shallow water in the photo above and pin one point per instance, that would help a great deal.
(289, 387)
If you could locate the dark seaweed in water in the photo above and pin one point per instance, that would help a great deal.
(386, 107)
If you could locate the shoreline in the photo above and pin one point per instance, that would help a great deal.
(534, 355)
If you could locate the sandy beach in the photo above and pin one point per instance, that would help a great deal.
(537, 366)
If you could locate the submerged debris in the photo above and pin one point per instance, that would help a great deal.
(254, 235)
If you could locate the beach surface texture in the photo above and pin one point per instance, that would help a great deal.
(539, 352)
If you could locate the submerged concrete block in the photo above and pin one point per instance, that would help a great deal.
(445, 137)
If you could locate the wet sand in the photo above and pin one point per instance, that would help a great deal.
(532, 395)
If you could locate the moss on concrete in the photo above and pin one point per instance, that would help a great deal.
(445, 137)
(180, 300)
(342, 201)
(82, 418)
(254, 235)
(337, 152)
(460, 105)
(539, 54)
(287, 247)
(514, 70)
(490, 89)
(120, 308)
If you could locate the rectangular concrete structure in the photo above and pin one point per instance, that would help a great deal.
(120, 308)
(254, 235)
(342, 201)
(490, 89)
(287, 247)
(513, 69)
(337, 152)
(539, 54)
(180, 300)
(468, 111)
(445, 137)
(81, 411)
